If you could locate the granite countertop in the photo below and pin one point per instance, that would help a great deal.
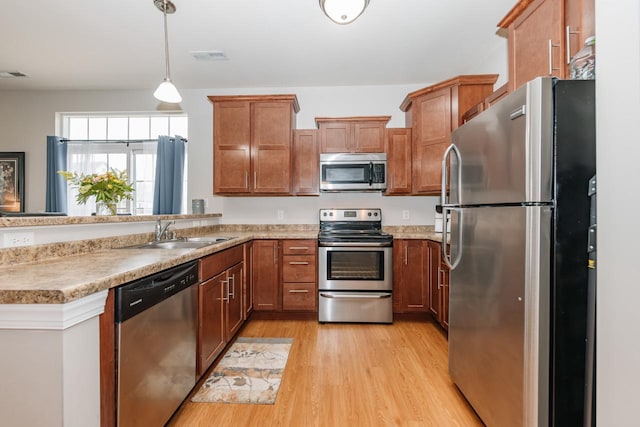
(68, 278)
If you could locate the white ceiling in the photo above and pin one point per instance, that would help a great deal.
(118, 44)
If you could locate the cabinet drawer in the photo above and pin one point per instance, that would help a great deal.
(300, 247)
(299, 296)
(220, 261)
(299, 268)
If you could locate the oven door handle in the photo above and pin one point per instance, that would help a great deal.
(354, 244)
(355, 296)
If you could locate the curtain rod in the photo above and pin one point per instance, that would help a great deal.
(116, 141)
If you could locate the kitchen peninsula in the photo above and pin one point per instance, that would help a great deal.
(52, 296)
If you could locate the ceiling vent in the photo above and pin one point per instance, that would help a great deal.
(11, 74)
(209, 55)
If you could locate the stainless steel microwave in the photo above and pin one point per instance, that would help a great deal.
(353, 172)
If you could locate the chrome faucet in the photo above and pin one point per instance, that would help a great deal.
(162, 230)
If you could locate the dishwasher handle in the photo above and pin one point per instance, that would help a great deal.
(133, 298)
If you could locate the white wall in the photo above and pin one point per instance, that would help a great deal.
(618, 152)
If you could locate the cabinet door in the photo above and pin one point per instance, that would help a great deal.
(211, 324)
(432, 122)
(335, 137)
(266, 275)
(536, 43)
(427, 168)
(412, 267)
(398, 161)
(368, 137)
(231, 142)
(247, 292)
(271, 137)
(306, 163)
(444, 292)
(234, 316)
(434, 280)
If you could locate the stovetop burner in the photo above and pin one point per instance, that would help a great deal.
(352, 226)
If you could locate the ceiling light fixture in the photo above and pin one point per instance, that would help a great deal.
(166, 92)
(343, 11)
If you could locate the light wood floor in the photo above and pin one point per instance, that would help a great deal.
(350, 375)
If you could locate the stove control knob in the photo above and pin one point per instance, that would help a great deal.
(375, 214)
(369, 214)
(330, 213)
(324, 214)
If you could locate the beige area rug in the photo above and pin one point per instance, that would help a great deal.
(250, 372)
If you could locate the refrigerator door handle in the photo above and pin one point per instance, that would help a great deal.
(445, 169)
(447, 256)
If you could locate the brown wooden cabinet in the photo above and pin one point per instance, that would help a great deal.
(285, 274)
(398, 149)
(220, 303)
(410, 276)
(434, 112)
(252, 138)
(266, 275)
(496, 96)
(444, 293)
(299, 275)
(544, 35)
(247, 292)
(352, 134)
(306, 163)
(438, 285)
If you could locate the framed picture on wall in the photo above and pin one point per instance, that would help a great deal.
(12, 181)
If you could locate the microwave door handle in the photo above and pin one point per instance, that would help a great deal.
(370, 174)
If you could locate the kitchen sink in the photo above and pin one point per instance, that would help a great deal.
(183, 243)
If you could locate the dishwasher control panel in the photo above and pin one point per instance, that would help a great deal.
(135, 297)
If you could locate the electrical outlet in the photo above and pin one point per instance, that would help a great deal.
(23, 238)
(405, 215)
(280, 214)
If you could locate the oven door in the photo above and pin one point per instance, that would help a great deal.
(355, 268)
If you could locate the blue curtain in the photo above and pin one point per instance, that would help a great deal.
(167, 198)
(56, 193)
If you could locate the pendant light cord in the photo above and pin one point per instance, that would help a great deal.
(166, 43)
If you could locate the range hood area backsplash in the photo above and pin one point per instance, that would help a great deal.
(420, 210)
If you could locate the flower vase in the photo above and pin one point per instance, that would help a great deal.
(104, 209)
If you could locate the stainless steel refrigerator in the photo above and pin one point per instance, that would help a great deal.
(518, 204)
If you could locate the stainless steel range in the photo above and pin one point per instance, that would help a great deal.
(355, 278)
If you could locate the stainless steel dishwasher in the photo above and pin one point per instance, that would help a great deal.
(156, 327)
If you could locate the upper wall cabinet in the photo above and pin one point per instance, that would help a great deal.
(252, 139)
(544, 35)
(306, 175)
(433, 113)
(352, 134)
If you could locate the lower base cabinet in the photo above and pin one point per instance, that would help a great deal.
(265, 270)
(438, 285)
(285, 275)
(410, 276)
(220, 303)
(421, 279)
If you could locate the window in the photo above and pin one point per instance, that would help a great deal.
(99, 143)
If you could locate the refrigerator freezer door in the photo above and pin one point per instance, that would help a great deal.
(506, 151)
(498, 319)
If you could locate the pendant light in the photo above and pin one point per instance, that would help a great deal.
(343, 11)
(166, 92)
